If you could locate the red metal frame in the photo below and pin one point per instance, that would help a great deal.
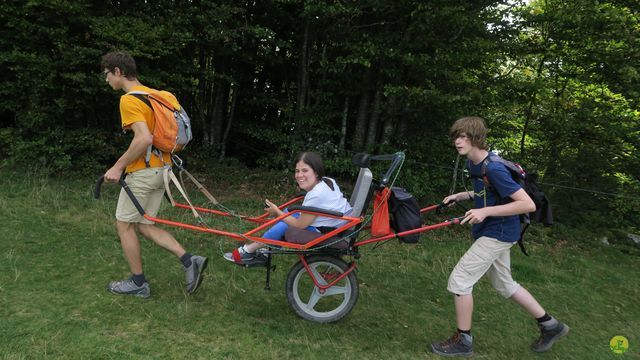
(265, 223)
(323, 288)
(351, 222)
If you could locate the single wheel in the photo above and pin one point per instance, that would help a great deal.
(309, 301)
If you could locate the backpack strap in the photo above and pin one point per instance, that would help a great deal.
(142, 96)
(483, 170)
(489, 187)
(485, 178)
(146, 97)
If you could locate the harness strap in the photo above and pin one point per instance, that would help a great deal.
(144, 97)
(198, 185)
(147, 157)
(169, 175)
(521, 240)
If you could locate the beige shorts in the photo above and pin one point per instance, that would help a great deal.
(486, 256)
(147, 186)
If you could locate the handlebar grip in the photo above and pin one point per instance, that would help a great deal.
(96, 190)
(443, 205)
(361, 160)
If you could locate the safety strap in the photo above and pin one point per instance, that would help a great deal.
(199, 186)
(168, 175)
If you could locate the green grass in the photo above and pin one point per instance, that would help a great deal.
(59, 249)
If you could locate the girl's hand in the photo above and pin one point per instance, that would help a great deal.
(271, 208)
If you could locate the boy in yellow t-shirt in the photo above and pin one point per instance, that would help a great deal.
(146, 183)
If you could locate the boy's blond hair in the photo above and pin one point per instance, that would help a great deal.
(474, 127)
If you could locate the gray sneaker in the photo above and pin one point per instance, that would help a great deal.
(457, 345)
(548, 336)
(193, 274)
(129, 287)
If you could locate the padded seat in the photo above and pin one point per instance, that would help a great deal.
(303, 236)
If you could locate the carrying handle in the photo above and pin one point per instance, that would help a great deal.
(363, 160)
(315, 209)
(96, 189)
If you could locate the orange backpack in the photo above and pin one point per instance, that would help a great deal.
(172, 129)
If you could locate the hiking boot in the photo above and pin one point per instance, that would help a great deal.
(548, 336)
(457, 345)
(193, 274)
(129, 287)
(246, 259)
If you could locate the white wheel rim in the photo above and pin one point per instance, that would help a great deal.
(309, 306)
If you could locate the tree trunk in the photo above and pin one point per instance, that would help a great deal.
(233, 95)
(528, 113)
(360, 132)
(401, 125)
(389, 124)
(372, 132)
(219, 105)
(323, 78)
(202, 98)
(343, 127)
(303, 74)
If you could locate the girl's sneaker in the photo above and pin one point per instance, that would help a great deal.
(243, 258)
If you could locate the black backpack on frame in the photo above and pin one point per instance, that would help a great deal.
(405, 214)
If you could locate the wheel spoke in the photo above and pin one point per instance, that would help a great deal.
(316, 274)
(336, 290)
(314, 298)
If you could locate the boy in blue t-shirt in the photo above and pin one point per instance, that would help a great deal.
(496, 227)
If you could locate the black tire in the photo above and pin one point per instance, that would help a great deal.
(336, 302)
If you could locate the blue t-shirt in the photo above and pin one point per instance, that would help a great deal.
(503, 228)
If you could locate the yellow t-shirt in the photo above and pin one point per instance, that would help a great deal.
(134, 110)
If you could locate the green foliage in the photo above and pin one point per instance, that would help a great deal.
(58, 151)
(557, 81)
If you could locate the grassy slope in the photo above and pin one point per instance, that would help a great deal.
(59, 249)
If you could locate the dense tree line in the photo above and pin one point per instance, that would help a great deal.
(558, 82)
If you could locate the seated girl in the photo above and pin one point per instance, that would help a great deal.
(322, 192)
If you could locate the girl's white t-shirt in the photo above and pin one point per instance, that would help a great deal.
(321, 196)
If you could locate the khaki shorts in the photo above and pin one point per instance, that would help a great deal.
(486, 256)
(147, 186)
